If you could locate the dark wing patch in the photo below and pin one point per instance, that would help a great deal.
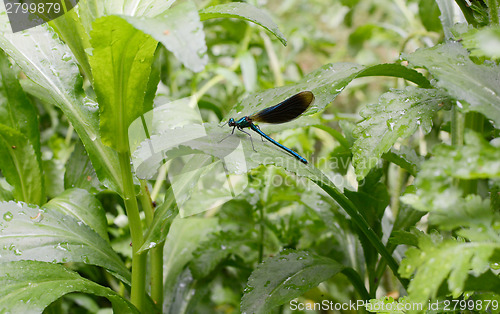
(286, 110)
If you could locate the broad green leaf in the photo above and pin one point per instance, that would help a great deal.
(91, 10)
(53, 173)
(406, 158)
(184, 237)
(407, 216)
(360, 35)
(438, 260)
(31, 286)
(80, 173)
(70, 29)
(147, 8)
(396, 70)
(435, 190)
(154, 79)
(16, 111)
(403, 237)
(51, 236)
(429, 13)
(447, 16)
(243, 11)
(325, 83)
(179, 29)
(372, 196)
(84, 207)
(484, 42)
(213, 251)
(20, 166)
(284, 277)
(51, 65)
(188, 294)
(398, 114)
(478, 85)
(121, 64)
(5, 192)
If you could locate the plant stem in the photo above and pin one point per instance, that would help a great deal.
(473, 121)
(358, 219)
(138, 260)
(156, 252)
(357, 282)
(457, 127)
(157, 274)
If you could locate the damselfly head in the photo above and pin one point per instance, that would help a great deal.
(231, 122)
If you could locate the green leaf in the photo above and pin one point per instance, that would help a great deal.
(180, 31)
(70, 28)
(447, 16)
(213, 251)
(243, 11)
(146, 8)
(484, 42)
(435, 190)
(20, 166)
(5, 192)
(398, 114)
(462, 79)
(51, 65)
(362, 34)
(403, 237)
(406, 158)
(121, 63)
(31, 286)
(90, 10)
(407, 216)
(372, 196)
(51, 236)
(429, 13)
(325, 83)
(285, 276)
(84, 206)
(16, 111)
(80, 173)
(439, 260)
(184, 237)
(396, 70)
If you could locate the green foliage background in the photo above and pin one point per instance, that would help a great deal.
(400, 199)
